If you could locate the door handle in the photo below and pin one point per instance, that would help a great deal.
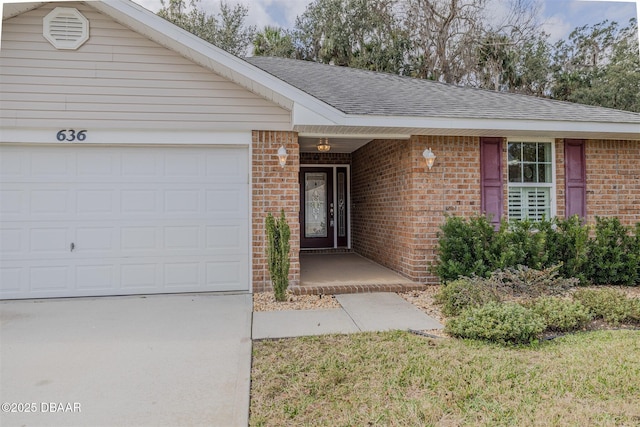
(72, 246)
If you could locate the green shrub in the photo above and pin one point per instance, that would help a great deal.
(614, 256)
(463, 247)
(559, 314)
(610, 305)
(466, 292)
(525, 281)
(526, 242)
(507, 323)
(278, 247)
(567, 244)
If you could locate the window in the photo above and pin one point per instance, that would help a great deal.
(530, 180)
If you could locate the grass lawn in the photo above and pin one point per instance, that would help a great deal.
(400, 379)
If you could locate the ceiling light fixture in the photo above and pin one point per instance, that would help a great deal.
(323, 145)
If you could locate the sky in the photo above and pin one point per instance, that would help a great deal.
(560, 17)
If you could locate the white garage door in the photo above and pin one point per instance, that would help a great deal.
(83, 221)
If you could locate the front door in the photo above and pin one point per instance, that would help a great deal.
(323, 207)
(317, 210)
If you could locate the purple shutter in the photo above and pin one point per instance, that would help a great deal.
(575, 178)
(491, 178)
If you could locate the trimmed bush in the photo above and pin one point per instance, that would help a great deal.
(507, 323)
(567, 243)
(559, 314)
(525, 281)
(614, 254)
(464, 293)
(464, 247)
(610, 305)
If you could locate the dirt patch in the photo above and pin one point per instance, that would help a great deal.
(265, 301)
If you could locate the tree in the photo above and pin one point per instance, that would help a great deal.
(354, 33)
(274, 41)
(227, 30)
(599, 65)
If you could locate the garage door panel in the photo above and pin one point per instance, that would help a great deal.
(95, 239)
(49, 240)
(138, 238)
(48, 164)
(95, 202)
(182, 275)
(11, 241)
(96, 277)
(50, 278)
(140, 277)
(138, 202)
(12, 202)
(141, 220)
(49, 203)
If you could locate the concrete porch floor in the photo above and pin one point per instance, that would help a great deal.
(347, 273)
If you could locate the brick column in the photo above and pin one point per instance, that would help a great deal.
(274, 188)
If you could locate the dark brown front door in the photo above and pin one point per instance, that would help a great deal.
(316, 208)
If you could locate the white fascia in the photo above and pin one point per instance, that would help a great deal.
(627, 129)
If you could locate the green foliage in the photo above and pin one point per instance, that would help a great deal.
(278, 247)
(567, 244)
(524, 281)
(614, 254)
(226, 30)
(599, 65)
(354, 33)
(467, 248)
(610, 305)
(274, 41)
(464, 293)
(559, 314)
(504, 323)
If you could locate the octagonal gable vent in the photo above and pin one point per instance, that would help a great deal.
(66, 28)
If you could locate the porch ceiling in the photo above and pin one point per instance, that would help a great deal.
(338, 144)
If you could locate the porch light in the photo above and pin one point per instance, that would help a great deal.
(282, 156)
(323, 145)
(429, 157)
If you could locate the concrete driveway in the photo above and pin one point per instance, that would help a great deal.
(166, 360)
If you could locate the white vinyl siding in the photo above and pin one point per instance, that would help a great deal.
(117, 79)
(530, 180)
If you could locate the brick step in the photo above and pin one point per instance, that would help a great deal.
(355, 289)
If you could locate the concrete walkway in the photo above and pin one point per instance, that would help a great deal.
(359, 313)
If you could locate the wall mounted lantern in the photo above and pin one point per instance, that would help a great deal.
(429, 157)
(323, 145)
(282, 156)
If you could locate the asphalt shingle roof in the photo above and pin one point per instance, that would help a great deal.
(362, 92)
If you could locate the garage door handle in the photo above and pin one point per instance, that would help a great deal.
(73, 246)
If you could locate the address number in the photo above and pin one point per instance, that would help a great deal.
(71, 135)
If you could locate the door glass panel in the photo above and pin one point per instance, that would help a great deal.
(315, 210)
(342, 204)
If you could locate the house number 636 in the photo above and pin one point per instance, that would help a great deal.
(71, 135)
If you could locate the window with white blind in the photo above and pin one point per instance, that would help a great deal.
(531, 180)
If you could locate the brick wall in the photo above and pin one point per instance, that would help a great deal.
(398, 204)
(613, 180)
(274, 188)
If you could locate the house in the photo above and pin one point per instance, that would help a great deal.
(137, 158)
